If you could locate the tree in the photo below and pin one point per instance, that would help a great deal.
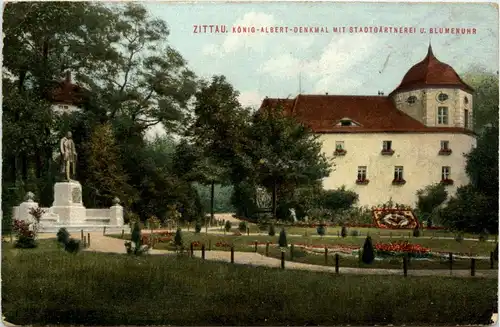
(105, 173)
(429, 199)
(485, 102)
(286, 153)
(282, 242)
(368, 252)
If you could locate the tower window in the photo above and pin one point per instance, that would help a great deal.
(466, 100)
(442, 115)
(442, 97)
(411, 99)
(466, 118)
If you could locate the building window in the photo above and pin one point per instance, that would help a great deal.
(443, 115)
(466, 100)
(442, 97)
(387, 148)
(411, 99)
(398, 176)
(361, 178)
(345, 123)
(445, 150)
(466, 118)
(339, 148)
(445, 175)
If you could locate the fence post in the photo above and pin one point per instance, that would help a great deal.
(473, 267)
(88, 239)
(338, 233)
(282, 260)
(191, 249)
(232, 253)
(123, 233)
(256, 244)
(248, 231)
(450, 259)
(203, 251)
(336, 263)
(405, 266)
(291, 251)
(267, 249)
(492, 260)
(11, 240)
(326, 256)
(81, 234)
(104, 231)
(84, 241)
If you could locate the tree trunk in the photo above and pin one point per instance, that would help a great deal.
(274, 199)
(212, 198)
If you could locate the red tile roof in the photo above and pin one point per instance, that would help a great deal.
(375, 114)
(431, 72)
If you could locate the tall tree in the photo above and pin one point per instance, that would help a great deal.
(286, 153)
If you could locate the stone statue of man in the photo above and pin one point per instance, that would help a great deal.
(68, 156)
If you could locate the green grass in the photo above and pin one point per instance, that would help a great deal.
(48, 286)
(241, 243)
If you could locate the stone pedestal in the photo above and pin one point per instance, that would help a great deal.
(24, 210)
(116, 215)
(68, 203)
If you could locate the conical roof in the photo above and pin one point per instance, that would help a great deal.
(430, 72)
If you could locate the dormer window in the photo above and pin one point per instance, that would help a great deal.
(347, 122)
(442, 97)
(411, 99)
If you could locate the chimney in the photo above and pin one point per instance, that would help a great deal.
(68, 76)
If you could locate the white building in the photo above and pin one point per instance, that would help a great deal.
(391, 146)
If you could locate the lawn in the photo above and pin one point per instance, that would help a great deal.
(49, 286)
(243, 242)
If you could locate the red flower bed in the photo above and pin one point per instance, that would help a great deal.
(196, 244)
(222, 245)
(401, 246)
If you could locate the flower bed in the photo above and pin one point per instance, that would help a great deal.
(399, 248)
(395, 218)
(222, 245)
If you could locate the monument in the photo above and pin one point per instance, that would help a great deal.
(67, 209)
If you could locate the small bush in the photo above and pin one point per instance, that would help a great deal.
(483, 236)
(354, 233)
(25, 242)
(62, 236)
(368, 253)
(272, 231)
(459, 237)
(228, 226)
(197, 227)
(321, 230)
(416, 232)
(429, 223)
(343, 231)
(72, 246)
(282, 242)
(178, 238)
(242, 227)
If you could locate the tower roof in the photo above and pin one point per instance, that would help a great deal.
(430, 72)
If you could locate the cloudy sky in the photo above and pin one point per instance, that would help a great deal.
(260, 64)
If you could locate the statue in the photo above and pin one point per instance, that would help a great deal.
(293, 215)
(68, 156)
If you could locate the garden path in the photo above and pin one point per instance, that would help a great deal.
(101, 243)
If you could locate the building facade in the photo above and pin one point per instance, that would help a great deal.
(388, 147)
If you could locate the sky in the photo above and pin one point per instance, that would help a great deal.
(283, 65)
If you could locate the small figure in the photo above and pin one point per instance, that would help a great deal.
(294, 216)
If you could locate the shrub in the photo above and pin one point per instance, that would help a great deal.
(338, 199)
(343, 231)
(459, 237)
(72, 246)
(153, 222)
(416, 232)
(321, 230)
(62, 236)
(272, 231)
(228, 226)
(242, 227)
(282, 242)
(354, 233)
(136, 239)
(368, 253)
(178, 239)
(25, 236)
(483, 236)
(197, 227)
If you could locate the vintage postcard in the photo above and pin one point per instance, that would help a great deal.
(249, 163)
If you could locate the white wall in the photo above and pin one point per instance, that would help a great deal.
(416, 152)
(62, 108)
